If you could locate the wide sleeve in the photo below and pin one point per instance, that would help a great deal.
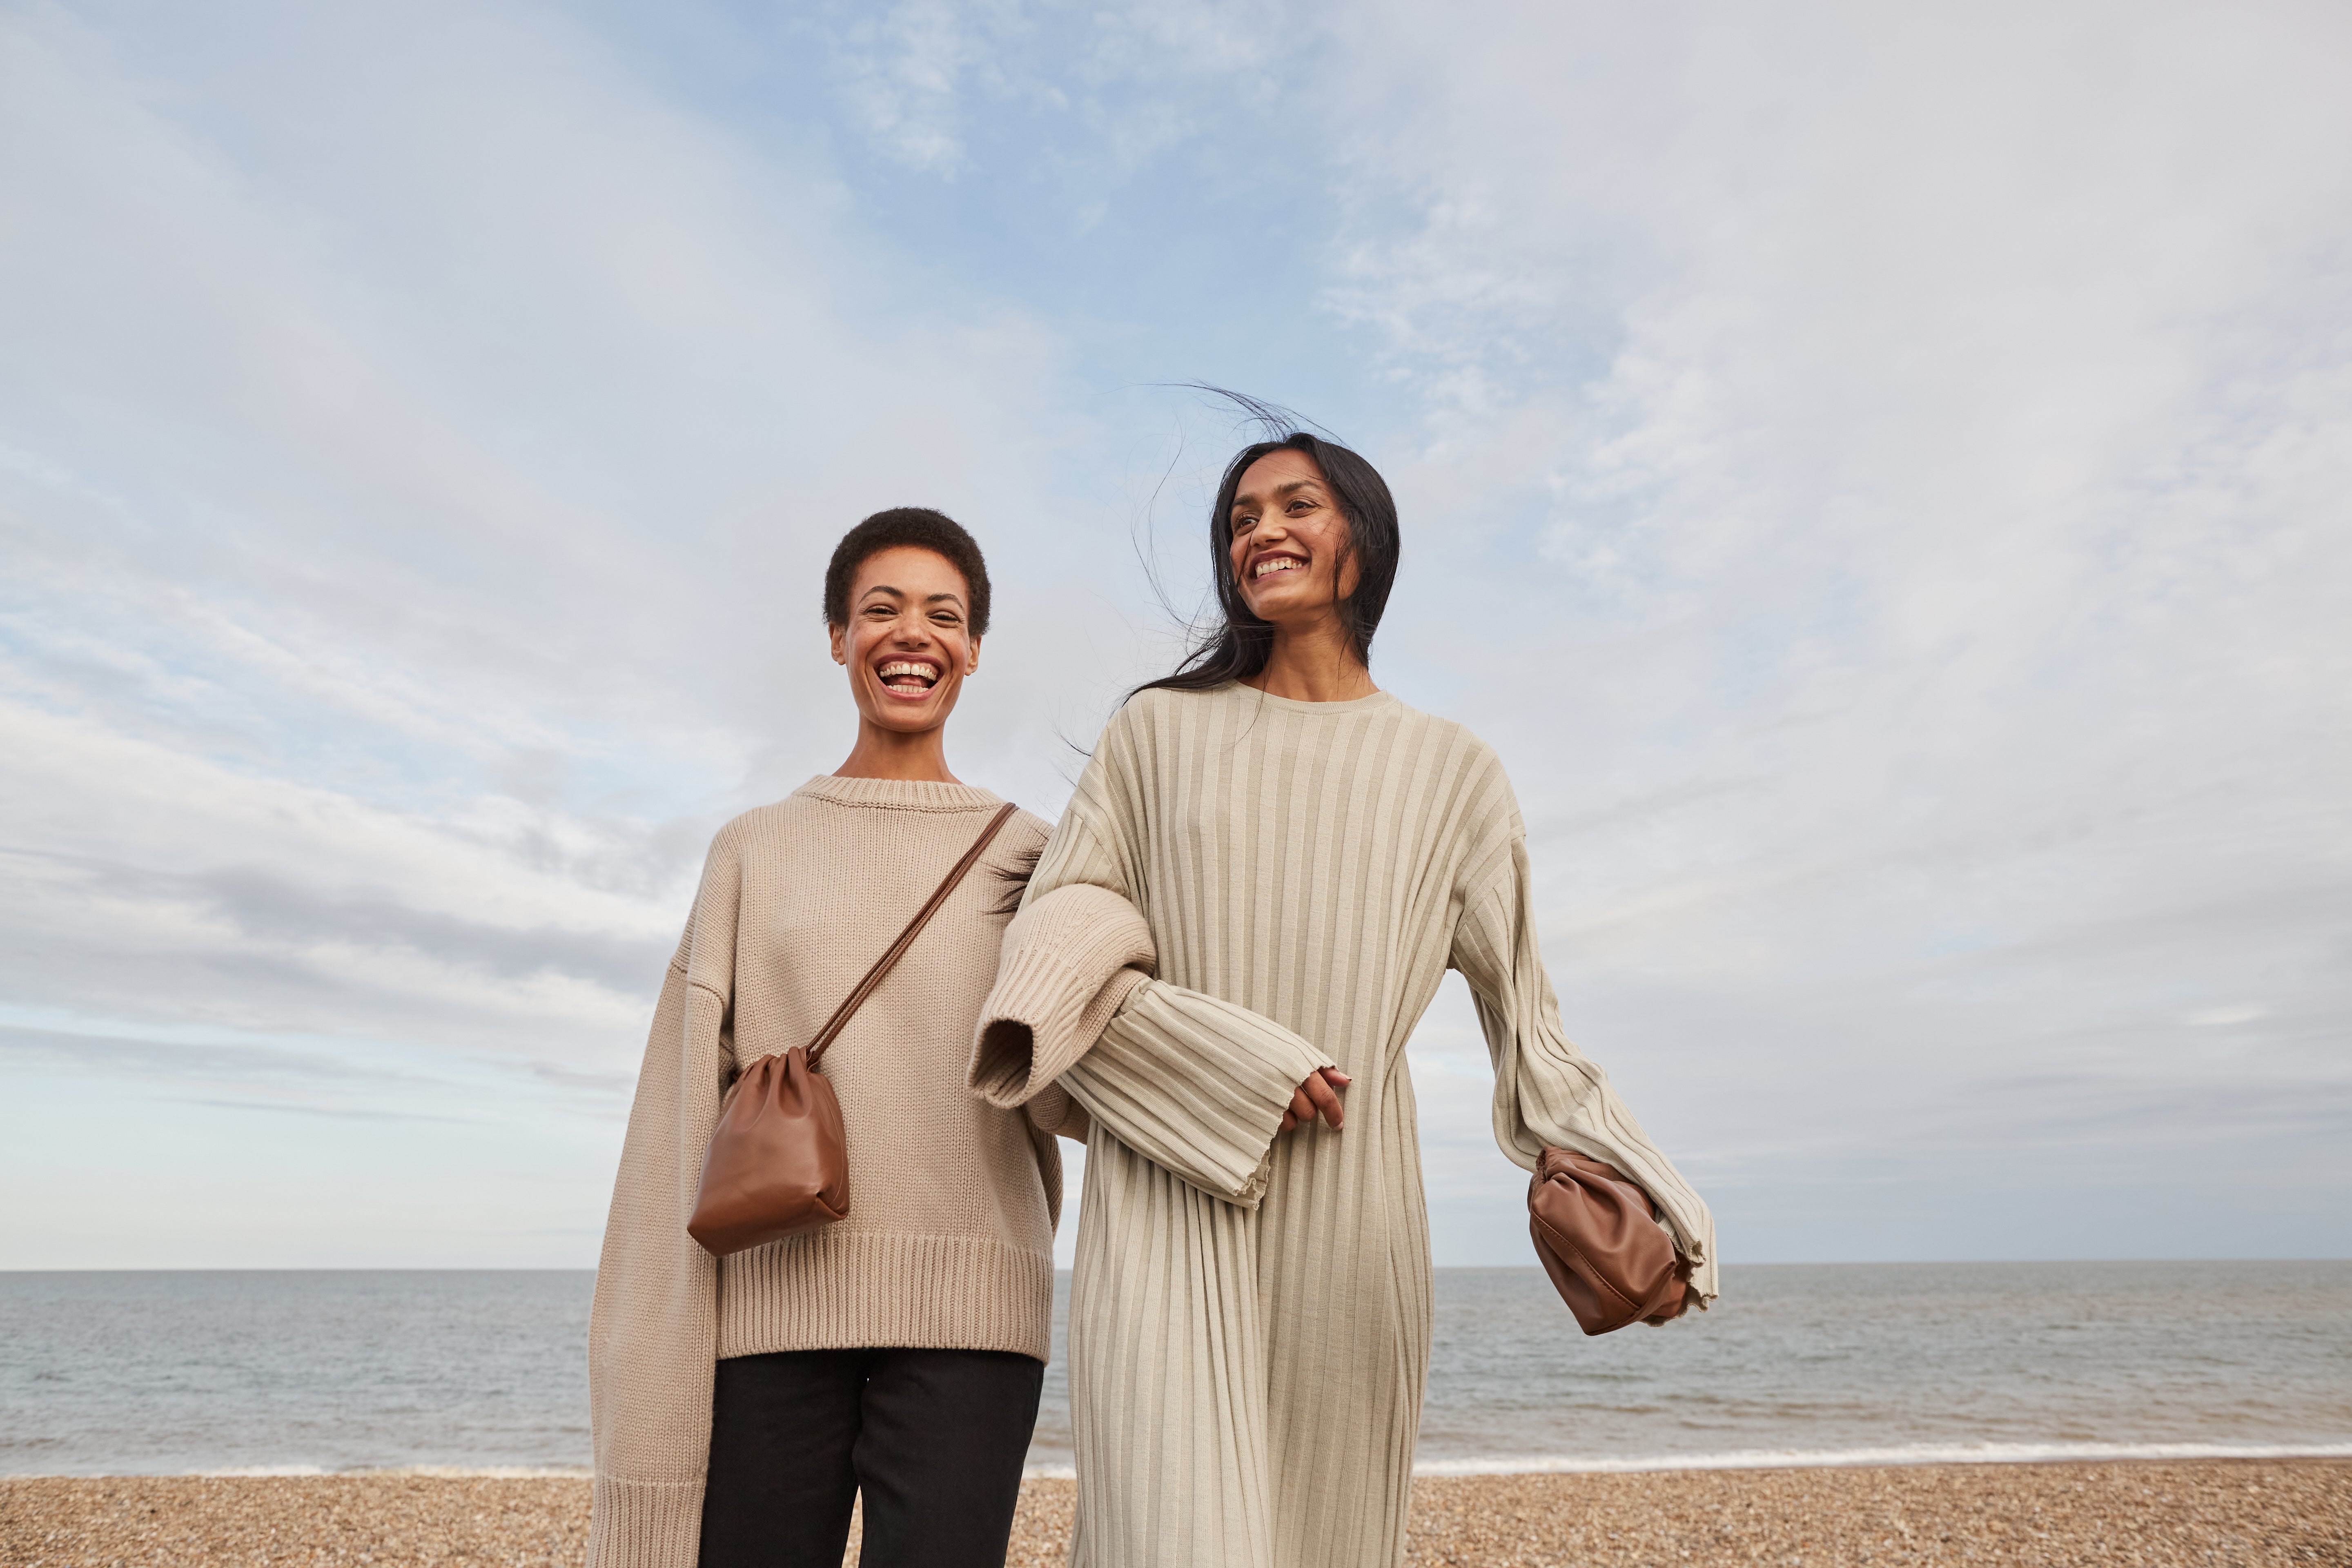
(653, 1328)
(1546, 1092)
(1196, 1085)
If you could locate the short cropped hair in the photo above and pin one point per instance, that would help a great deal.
(916, 527)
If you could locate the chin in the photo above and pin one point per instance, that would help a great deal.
(913, 716)
(1277, 605)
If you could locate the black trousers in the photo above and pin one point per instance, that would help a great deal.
(935, 1439)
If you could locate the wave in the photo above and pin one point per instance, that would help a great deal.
(1539, 1463)
(1815, 1459)
(1901, 1454)
(438, 1472)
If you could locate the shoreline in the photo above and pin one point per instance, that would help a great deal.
(1901, 1455)
(2153, 1512)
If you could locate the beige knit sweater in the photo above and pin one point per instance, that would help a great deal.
(948, 1240)
(1250, 1314)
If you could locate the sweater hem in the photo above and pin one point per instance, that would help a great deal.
(846, 1290)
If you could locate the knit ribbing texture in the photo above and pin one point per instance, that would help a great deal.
(948, 1240)
(1246, 1376)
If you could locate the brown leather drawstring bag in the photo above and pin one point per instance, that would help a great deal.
(778, 1164)
(1597, 1236)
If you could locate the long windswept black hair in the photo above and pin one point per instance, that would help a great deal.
(1239, 645)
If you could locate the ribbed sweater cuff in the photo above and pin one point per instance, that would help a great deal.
(1028, 1033)
(645, 1524)
(1069, 962)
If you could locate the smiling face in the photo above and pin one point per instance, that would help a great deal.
(908, 644)
(1289, 553)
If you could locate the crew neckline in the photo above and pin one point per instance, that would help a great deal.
(1247, 692)
(903, 795)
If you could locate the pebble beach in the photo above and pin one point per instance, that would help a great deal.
(2154, 1513)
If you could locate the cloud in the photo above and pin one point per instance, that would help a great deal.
(1926, 437)
(403, 514)
(342, 1112)
(420, 438)
(244, 899)
(182, 1061)
(151, 1075)
(1872, 474)
(903, 80)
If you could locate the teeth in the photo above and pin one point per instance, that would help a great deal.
(900, 670)
(1279, 563)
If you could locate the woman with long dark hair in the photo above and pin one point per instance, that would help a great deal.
(740, 1405)
(1266, 831)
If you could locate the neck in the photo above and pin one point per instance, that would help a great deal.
(920, 757)
(1314, 664)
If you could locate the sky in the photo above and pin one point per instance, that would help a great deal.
(1877, 474)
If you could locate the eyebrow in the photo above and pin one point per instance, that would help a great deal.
(956, 599)
(1287, 487)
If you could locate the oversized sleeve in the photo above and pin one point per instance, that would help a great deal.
(1546, 1092)
(1196, 1085)
(653, 1327)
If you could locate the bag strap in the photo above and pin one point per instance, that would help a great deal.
(840, 1019)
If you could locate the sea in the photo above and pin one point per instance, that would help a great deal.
(293, 1373)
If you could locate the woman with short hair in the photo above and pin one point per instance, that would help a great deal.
(1249, 1315)
(740, 1404)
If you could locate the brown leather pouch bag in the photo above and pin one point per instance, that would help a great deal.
(1597, 1236)
(778, 1164)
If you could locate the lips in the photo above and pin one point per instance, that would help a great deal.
(908, 678)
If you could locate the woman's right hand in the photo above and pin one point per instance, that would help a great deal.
(1320, 1091)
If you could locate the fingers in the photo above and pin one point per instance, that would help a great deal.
(1318, 1095)
(1318, 1089)
(1300, 1110)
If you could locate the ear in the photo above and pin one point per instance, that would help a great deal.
(839, 636)
(972, 659)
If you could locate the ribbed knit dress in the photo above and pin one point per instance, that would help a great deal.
(1250, 1314)
(949, 1236)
